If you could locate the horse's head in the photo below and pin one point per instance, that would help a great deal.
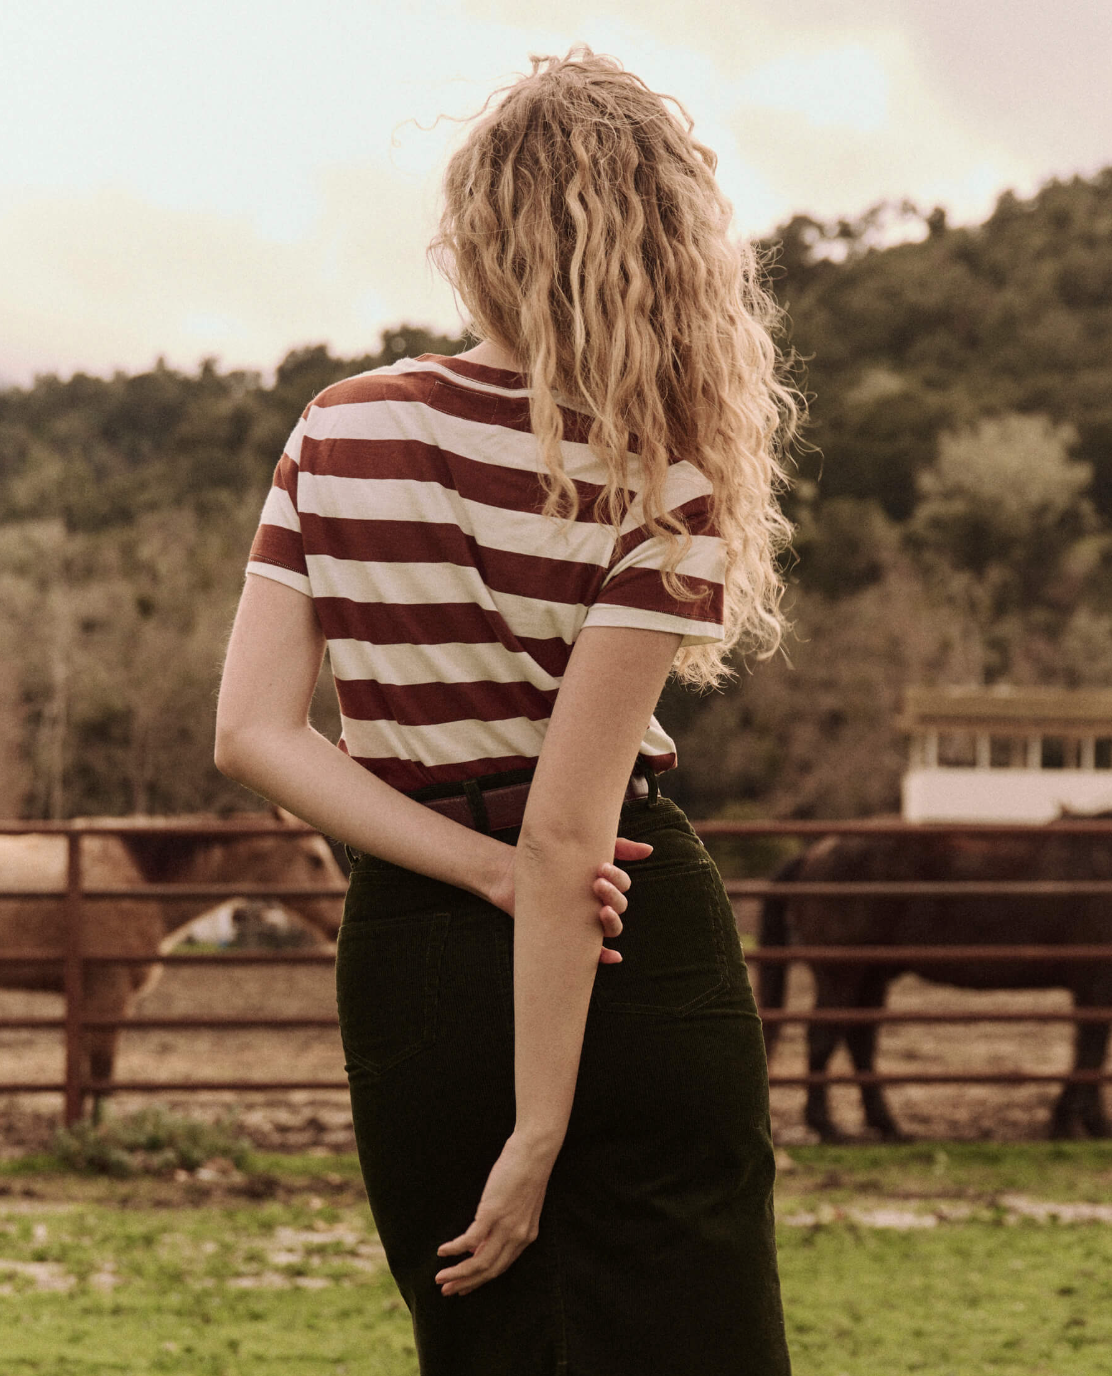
(295, 861)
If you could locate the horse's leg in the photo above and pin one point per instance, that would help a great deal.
(102, 1060)
(107, 995)
(1092, 1047)
(831, 991)
(1079, 1111)
(861, 1041)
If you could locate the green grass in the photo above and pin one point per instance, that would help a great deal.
(960, 1300)
(951, 1170)
(163, 1277)
(174, 1290)
(208, 1334)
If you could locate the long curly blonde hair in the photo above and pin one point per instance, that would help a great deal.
(584, 232)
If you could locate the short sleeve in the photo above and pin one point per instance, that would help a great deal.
(277, 551)
(634, 592)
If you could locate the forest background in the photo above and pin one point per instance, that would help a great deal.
(953, 513)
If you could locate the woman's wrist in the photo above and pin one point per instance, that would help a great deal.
(491, 866)
(540, 1142)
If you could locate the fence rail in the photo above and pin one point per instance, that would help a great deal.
(80, 901)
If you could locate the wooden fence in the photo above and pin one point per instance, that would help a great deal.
(77, 898)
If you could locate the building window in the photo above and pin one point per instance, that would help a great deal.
(957, 749)
(1059, 752)
(1007, 752)
(1102, 752)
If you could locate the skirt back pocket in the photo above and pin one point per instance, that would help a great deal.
(387, 985)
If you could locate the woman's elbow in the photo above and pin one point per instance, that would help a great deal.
(224, 752)
(555, 843)
(232, 750)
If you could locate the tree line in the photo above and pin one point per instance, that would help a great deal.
(952, 502)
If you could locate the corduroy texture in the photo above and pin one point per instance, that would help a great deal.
(656, 1251)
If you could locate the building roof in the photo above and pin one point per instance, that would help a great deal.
(1008, 709)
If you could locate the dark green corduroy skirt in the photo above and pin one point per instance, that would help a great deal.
(656, 1254)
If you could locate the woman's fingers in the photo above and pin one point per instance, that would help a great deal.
(609, 888)
(466, 1242)
(610, 895)
(475, 1271)
(616, 876)
(631, 850)
(493, 1259)
(451, 1278)
(615, 882)
(611, 928)
(611, 923)
(489, 1258)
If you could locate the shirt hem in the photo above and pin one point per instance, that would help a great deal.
(280, 573)
(643, 619)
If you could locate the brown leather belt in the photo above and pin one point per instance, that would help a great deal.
(505, 806)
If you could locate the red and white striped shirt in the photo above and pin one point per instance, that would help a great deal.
(407, 504)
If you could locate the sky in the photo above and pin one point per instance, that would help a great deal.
(236, 178)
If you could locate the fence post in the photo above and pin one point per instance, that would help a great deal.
(74, 974)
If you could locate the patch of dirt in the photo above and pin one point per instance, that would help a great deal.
(890, 1213)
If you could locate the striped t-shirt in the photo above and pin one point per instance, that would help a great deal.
(407, 504)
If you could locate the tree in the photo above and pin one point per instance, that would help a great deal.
(1003, 493)
(1004, 535)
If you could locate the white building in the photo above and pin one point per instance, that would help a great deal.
(1006, 754)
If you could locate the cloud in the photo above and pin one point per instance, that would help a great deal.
(845, 87)
(106, 280)
(835, 130)
(827, 109)
(235, 178)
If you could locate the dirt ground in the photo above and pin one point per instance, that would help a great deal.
(317, 1120)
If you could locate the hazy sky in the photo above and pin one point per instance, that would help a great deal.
(238, 177)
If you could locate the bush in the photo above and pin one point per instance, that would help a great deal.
(150, 1142)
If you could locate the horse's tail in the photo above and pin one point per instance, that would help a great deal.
(772, 976)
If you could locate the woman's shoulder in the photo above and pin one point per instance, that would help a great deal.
(418, 376)
(406, 379)
(404, 417)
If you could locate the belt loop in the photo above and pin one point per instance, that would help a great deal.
(648, 773)
(477, 803)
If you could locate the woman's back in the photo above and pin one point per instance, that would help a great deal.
(408, 505)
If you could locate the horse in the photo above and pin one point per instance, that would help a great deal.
(1050, 853)
(142, 927)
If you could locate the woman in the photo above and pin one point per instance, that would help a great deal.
(507, 552)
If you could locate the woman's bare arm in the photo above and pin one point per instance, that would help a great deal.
(264, 740)
(603, 707)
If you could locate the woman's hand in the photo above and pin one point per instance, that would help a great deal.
(610, 887)
(505, 1222)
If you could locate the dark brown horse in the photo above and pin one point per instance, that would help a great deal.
(141, 927)
(875, 921)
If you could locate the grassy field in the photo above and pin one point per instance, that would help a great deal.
(894, 1259)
